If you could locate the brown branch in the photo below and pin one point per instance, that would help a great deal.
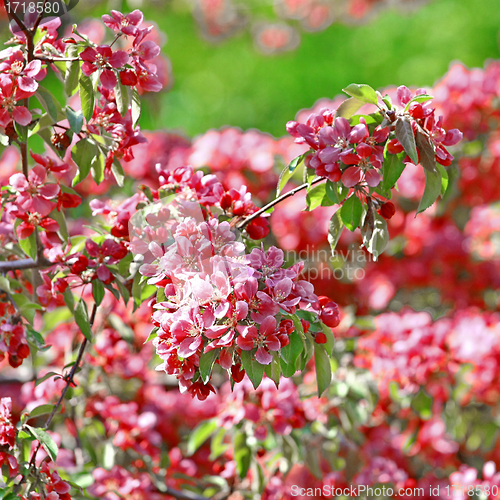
(39, 19)
(57, 59)
(20, 264)
(257, 214)
(183, 495)
(69, 382)
(16, 18)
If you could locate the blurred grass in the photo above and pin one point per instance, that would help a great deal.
(233, 84)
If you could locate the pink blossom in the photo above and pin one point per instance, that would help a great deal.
(34, 194)
(103, 58)
(127, 25)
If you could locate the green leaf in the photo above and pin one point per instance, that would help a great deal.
(45, 377)
(433, 183)
(4, 284)
(22, 132)
(118, 172)
(362, 92)
(136, 106)
(323, 368)
(293, 350)
(292, 166)
(98, 291)
(288, 171)
(69, 299)
(41, 410)
(335, 228)
(387, 101)
(404, 134)
(393, 168)
(75, 120)
(332, 191)
(82, 319)
(98, 167)
(87, 97)
(273, 369)
(307, 353)
(242, 454)
(200, 435)
(253, 368)
(444, 178)
(217, 446)
(72, 71)
(207, 360)
(48, 102)
(317, 197)
(418, 98)
(348, 108)
(61, 220)
(28, 245)
(422, 404)
(83, 154)
(426, 150)
(351, 212)
(45, 440)
(122, 96)
(376, 240)
(330, 339)
(123, 290)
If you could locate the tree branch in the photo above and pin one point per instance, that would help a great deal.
(57, 59)
(183, 495)
(20, 264)
(290, 193)
(69, 381)
(16, 18)
(39, 19)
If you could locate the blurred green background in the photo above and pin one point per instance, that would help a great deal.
(231, 83)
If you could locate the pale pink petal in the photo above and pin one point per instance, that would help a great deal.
(21, 115)
(49, 191)
(27, 83)
(18, 181)
(263, 357)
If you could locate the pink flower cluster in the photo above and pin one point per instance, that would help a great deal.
(137, 70)
(355, 155)
(217, 297)
(13, 342)
(18, 80)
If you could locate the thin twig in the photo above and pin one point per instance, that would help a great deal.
(250, 218)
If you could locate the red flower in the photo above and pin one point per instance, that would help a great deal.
(387, 210)
(104, 59)
(258, 228)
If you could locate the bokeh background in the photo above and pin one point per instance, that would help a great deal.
(224, 74)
